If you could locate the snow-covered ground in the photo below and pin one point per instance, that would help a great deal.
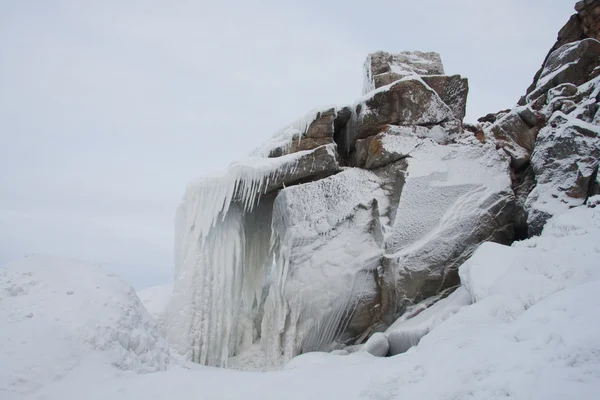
(71, 331)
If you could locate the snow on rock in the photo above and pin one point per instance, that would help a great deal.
(570, 63)
(408, 101)
(553, 137)
(454, 198)
(156, 300)
(55, 313)
(383, 68)
(565, 159)
(291, 254)
(516, 334)
(328, 249)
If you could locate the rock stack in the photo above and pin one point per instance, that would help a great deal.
(346, 218)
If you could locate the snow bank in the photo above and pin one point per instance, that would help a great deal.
(515, 341)
(55, 313)
(156, 300)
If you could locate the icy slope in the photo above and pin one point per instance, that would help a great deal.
(54, 313)
(532, 333)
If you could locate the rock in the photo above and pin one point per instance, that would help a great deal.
(453, 91)
(383, 68)
(394, 143)
(335, 249)
(571, 32)
(317, 132)
(565, 161)
(314, 164)
(444, 213)
(531, 117)
(515, 136)
(300, 144)
(322, 126)
(563, 90)
(513, 127)
(572, 63)
(407, 102)
(385, 148)
(492, 117)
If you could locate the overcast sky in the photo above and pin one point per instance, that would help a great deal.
(108, 108)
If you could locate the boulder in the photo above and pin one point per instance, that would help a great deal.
(515, 136)
(322, 126)
(565, 163)
(330, 242)
(574, 63)
(309, 164)
(409, 101)
(394, 143)
(319, 131)
(383, 68)
(453, 91)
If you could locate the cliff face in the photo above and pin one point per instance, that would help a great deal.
(348, 217)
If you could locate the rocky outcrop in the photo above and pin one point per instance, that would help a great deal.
(552, 135)
(584, 24)
(347, 218)
(408, 101)
(383, 68)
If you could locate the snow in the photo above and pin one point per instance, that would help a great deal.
(444, 184)
(532, 333)
(53, 311)
(156, 300)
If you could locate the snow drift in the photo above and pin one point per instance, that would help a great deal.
(56, 312)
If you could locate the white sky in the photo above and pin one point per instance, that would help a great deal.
(108, 108)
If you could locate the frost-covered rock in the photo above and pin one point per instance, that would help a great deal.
(329, 247)
(383, 68)
(565, 163)
(515, 136)
(553, 137)
(285, 253)
(56, 313)
(408, 101)
(575, 63)
(454, 198)
(383, 148)
(452, 89)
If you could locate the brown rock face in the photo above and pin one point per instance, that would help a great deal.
(407, 102)
(322, 126)
(320, 132)
(316, 164)
(453, 91)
